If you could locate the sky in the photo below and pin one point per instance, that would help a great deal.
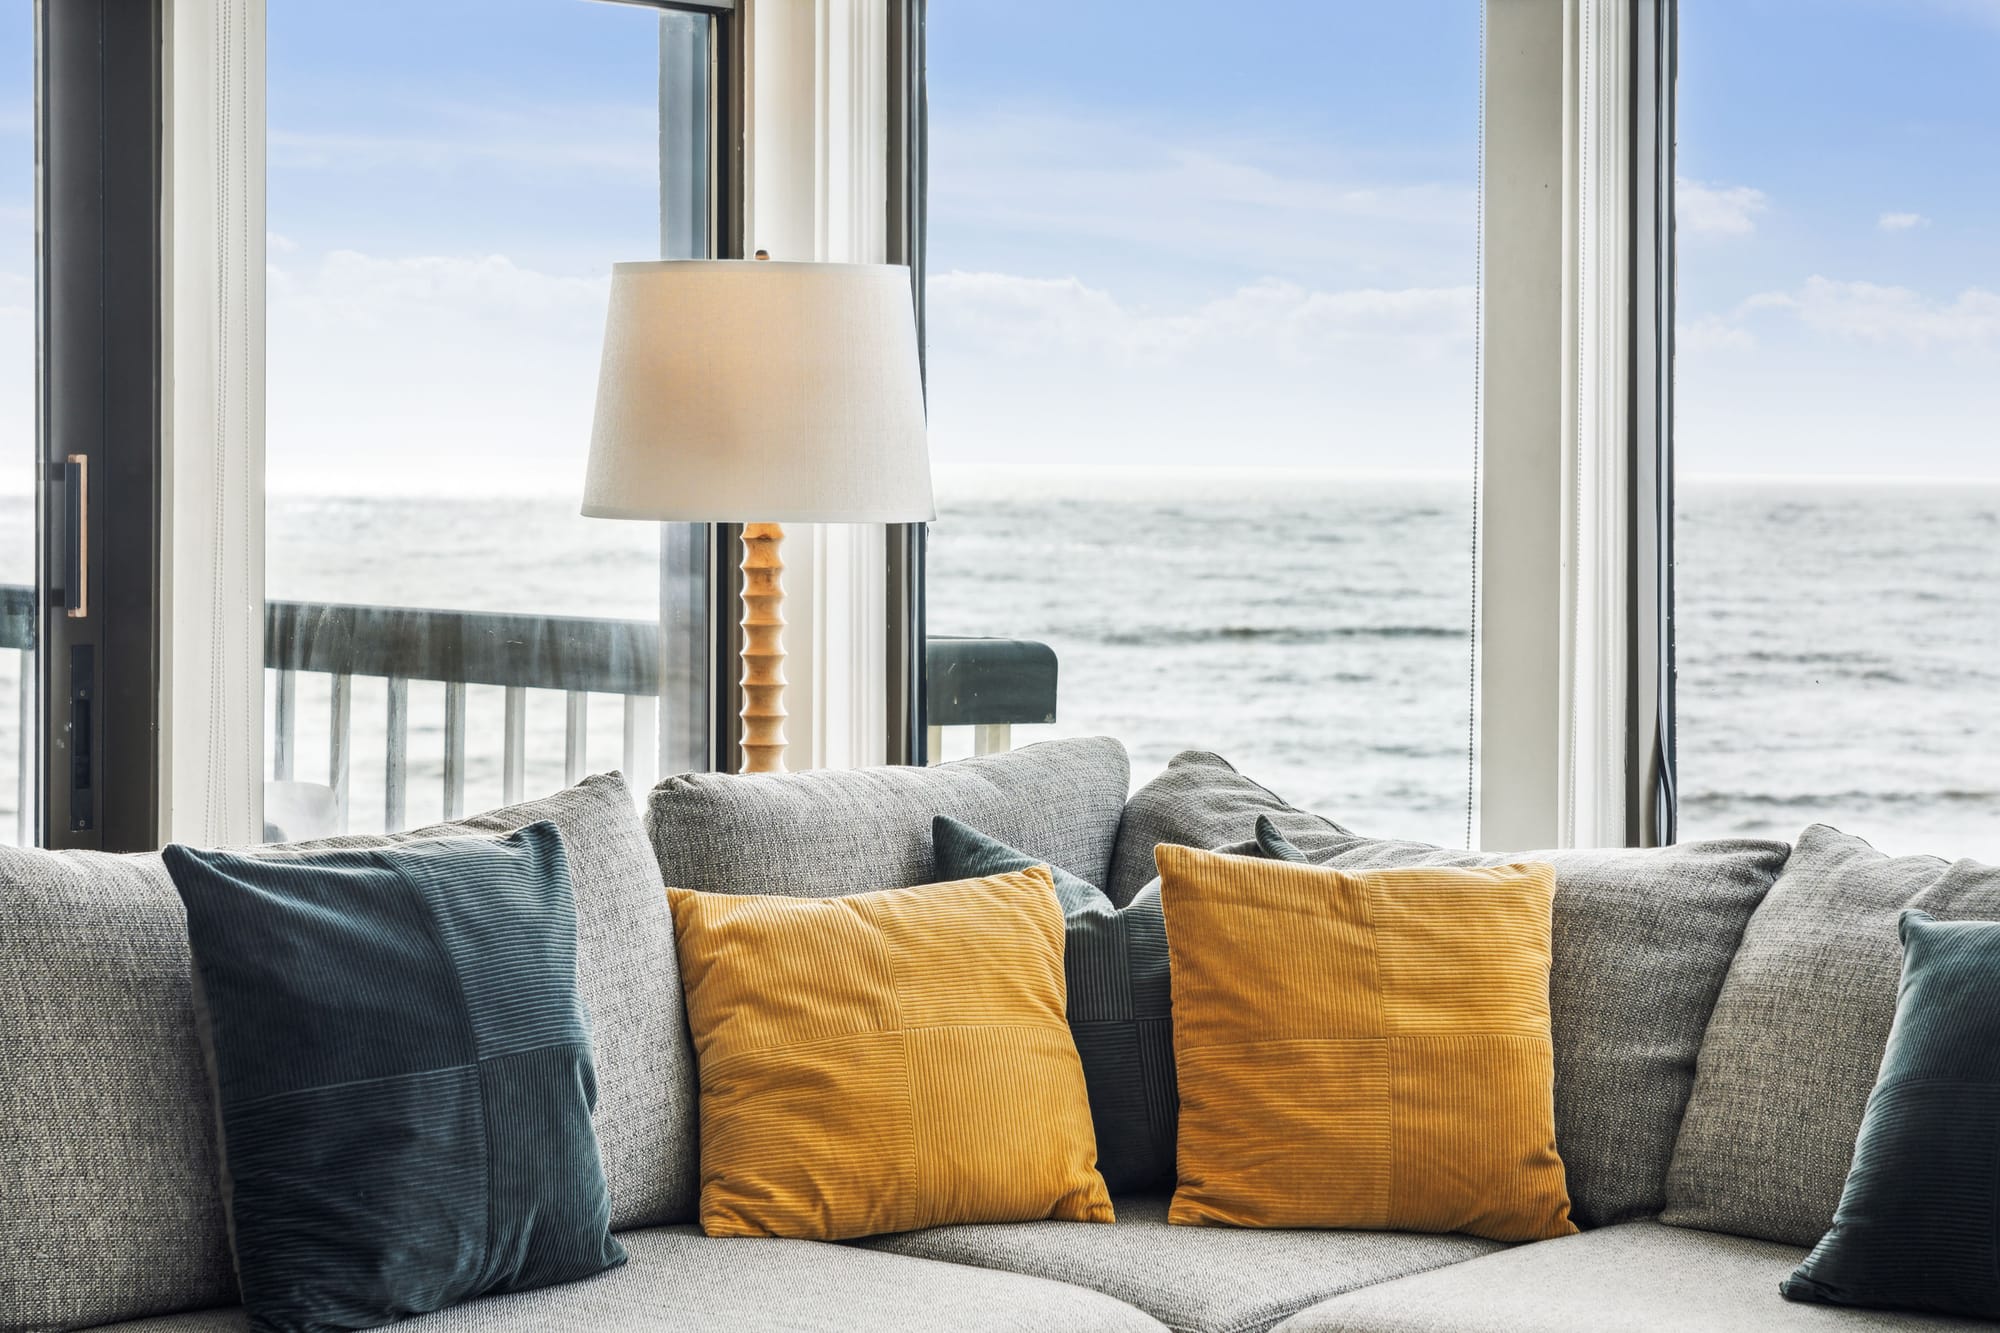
(1160, 234)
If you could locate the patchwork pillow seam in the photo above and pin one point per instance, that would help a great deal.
(881, 942)
(431, 926)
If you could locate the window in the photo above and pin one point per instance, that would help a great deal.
(18, 447)
(444, 213)
(1839, 381)
(1201, 333)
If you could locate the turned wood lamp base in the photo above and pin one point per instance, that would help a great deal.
(763, 649)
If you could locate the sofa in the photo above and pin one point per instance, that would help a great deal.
(110, 1214)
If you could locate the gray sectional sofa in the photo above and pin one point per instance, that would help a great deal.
(110, 1216)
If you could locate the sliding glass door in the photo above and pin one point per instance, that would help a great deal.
(445, 632)
(18, 446)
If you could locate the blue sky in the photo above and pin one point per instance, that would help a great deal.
(1161, 233)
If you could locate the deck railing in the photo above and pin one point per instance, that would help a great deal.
(990, 685)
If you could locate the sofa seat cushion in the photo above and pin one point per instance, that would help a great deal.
(1638, 1278)
(1641, 943)
(680, 1281)
(1199, 801)
(1193, 1279)
(827, 832)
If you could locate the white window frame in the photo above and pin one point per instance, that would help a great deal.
(1575, 680)
(816, 144)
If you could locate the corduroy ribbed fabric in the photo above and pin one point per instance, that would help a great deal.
(885, 1061)
(1120, 1006)
(402, 1071)
(1918, 1227)
(1363, 1049)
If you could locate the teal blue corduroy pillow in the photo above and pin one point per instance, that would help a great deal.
(402, 1072)
(1276, 845)
(1918, 1226)
(1120, 997)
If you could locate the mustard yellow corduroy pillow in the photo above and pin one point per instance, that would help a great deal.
(1366, 1049)
(886, 1061)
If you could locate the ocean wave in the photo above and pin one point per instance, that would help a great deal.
(1280, 635)
(1725, 800)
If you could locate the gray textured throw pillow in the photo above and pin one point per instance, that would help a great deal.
(828, 832)
(109, 1205)
(1798, 1033)
(1199, 801)
(1641, 942)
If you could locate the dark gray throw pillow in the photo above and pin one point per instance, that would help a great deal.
(1916, 1228)
(1199, 801)
(402, 1071)
(1120, 998)
(1642, 940)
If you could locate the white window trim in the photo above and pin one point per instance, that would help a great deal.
(1556, 761)
(816, 139)
(212, 437)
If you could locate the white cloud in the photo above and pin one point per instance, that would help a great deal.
(1879, 314)
(1268, 317)
(1268, 372)
(1717, 210)
(1979, 11)
(1901, 221)
(397, 373)
(1713, 333)
(278, 243)
(618, 140)
(1137, 192)
(1862, 311)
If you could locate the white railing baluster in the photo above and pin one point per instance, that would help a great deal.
(396, 772)
(992, 739)
(514, 751)
(934, 746)
(454, 749)
(24, 749)
(576, 736)
(285, 740)
(641, 739)
(339, 746)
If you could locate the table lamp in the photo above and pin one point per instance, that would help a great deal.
(760, 393)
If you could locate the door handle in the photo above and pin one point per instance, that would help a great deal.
(76, 560)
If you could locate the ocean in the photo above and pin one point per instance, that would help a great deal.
(1839, 642)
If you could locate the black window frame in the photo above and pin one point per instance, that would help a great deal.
(100, 112)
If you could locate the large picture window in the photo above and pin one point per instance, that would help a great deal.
(1839, 384)
(1201, 332)
(446, 632)
(18, 448)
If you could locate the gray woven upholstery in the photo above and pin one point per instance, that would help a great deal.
(1642, 940)
(828, 832)
(1198, 801)
(1637, 1278)
(108, 1199)
(1797, 1037)
(679, 1281)
(1193, 1279)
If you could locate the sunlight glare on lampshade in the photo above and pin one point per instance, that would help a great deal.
(736, 391)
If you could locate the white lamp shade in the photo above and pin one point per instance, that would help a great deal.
(753, 391)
